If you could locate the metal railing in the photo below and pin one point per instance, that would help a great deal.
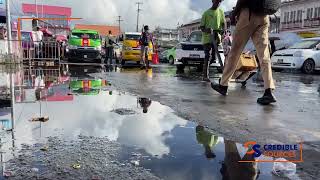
(30, 51)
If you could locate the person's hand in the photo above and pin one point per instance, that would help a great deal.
(208, 30)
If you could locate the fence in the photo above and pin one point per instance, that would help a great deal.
(28, 51)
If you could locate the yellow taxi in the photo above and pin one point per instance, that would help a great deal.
(131, 50)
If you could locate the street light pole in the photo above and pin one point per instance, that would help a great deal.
(8, 14)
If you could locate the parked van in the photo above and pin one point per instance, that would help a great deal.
(84, 46)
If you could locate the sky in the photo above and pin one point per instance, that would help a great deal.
(163, 13)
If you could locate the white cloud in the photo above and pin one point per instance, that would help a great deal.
(164, 13)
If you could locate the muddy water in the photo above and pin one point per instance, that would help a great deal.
(101, 133)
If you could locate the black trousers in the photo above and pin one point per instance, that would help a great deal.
(210, 51)
(109, 54)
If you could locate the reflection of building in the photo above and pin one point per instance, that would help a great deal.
(45, 11)
(301, 16)
(102, 29)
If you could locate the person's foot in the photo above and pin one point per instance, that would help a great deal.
(223, 90)
(267, 98)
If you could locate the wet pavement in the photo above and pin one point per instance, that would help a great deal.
(132, 124)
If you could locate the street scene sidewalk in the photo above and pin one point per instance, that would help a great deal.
(179, 90)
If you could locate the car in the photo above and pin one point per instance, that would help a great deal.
(191, 53)
(84, 46)
(171, 55)
(304, 55)
(163, 56)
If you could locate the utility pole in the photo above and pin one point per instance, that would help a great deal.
(8, 14)
(119, 21)
(138, 13)
(36, 4)
(9, 38)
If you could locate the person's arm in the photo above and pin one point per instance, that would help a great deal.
(203, 27)
(223, 22)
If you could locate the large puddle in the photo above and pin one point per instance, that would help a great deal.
(83, 114)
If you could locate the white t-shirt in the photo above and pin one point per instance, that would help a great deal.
(38, 36)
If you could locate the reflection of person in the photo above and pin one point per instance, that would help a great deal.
(145, 104)
(232, 169)
(207, 139)
(212, 21)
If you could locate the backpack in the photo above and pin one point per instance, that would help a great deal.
(144, 40)
(264, 7)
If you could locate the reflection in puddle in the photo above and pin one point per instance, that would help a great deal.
(151, 134)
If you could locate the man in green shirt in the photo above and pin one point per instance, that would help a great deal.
(212, 23)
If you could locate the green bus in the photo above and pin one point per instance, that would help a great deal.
(84, 46)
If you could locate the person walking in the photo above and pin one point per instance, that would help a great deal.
(212, 24)
(252, 22)
(145, 40)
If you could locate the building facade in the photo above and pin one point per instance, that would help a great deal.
(301, 16)
(102, 29)
(44, 11)
(166, 37)
(186, 29)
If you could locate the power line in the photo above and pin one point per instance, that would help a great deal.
(119, 22)
(138, 14)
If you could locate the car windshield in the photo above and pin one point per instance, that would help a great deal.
(85, 35)
(195, 37)
(307, 44)
(132, 37)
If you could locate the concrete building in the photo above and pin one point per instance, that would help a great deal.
(166, 37)
(186, 29)
(301, 16)
(102, 29)
(45, 11)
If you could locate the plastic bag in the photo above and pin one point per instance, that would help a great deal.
(284, 169)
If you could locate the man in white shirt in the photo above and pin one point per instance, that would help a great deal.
(37, 40)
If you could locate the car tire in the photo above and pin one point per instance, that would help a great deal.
(200, 68)
(308, 66)
(171, 60)
(180, 67)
